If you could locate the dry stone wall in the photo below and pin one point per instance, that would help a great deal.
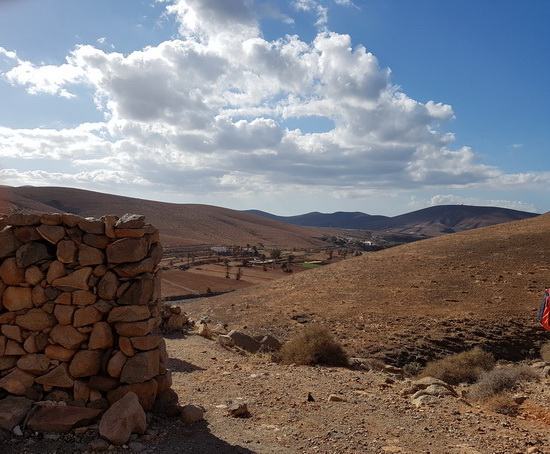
(79, 310)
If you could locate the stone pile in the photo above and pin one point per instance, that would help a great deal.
(79, 316)
(173, 319)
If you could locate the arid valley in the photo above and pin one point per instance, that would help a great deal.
(393, 310)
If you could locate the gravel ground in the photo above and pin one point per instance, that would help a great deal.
(372, 414)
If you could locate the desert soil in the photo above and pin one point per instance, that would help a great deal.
(374, 416)
(410, 303)
(415, 302)
(197, 280)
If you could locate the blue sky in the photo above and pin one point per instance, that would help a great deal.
(380, 106)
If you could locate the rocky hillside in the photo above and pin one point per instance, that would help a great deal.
(416, 301)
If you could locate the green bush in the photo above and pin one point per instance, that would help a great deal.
(313, 345)
(500, 380)
(460, 367)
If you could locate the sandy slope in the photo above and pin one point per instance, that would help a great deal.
(414, 301)
(179, 224)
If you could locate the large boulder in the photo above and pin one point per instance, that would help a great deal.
(85, 363)
(8, 242)
(122, 419)
(141, 367)
(78, 280)
(51, 233)
(13, 410)
(244, 341)
(68, 336)
(146, 392)
(127, 250)
(58, 377)
(190, 414)
(61, 418)
(31, 253)
(17, 298)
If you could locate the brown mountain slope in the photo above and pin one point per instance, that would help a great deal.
(427, 222)
(442, 219)
(179, 224)
(415, 301)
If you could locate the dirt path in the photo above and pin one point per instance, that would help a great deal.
(175, 284)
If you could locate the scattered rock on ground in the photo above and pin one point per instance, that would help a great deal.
(190, 413)
(122, 419)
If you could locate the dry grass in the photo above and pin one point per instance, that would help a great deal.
(460, 367)
(498, 381)
(313, 345)
(503, 404)
(545, 352)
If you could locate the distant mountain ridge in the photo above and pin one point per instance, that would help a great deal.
(340, 219)
(432, 221)
(193, 224)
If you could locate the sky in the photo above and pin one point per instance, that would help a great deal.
(379, 106)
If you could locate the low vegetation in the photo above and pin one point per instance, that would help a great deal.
(500, 380)
(309, 265)
(545, 352)
(313, 345)
(464, 367)
(503, 404)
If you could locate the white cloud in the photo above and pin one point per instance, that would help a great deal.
(315, 6)
(100, 178)
(10, 54)
(64, 144)
(48, 79)
(203, 114)
(216, 23)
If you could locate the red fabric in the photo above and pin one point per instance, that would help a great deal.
(545, 311)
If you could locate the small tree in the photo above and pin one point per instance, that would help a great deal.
(275, 254)
(226, 262)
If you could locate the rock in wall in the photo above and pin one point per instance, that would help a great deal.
(79, 309)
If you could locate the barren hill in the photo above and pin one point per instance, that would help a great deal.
(179, 224)
(427, 222)
(340, 219)
(416, 301)
(443, 219)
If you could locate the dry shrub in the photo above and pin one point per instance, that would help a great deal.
(368, 363)
(503, 404)
(500, 380)
(374, 364)
(412, 369)
(545, 352)
(460, 367)
(313, 345)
